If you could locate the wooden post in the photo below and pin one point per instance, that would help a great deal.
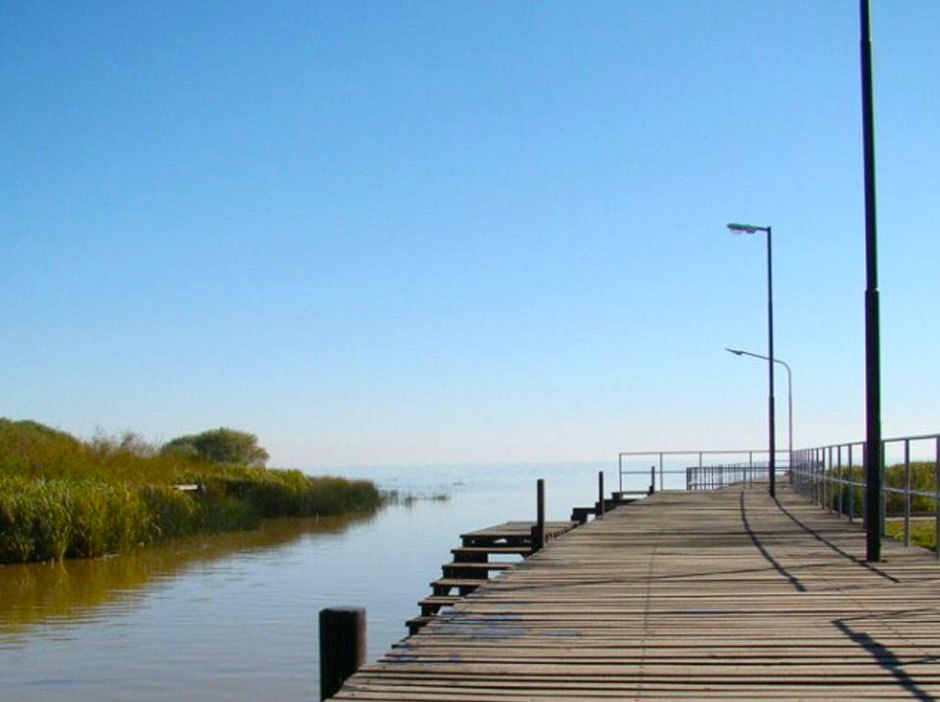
(538, 531)
(652, 480)
(342, 646)
(600, 493)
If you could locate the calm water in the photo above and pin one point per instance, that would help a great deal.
(234, 616)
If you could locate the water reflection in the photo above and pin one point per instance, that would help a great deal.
(76, 590)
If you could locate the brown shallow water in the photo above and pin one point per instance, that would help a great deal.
(233, 616)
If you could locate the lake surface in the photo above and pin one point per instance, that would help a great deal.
(234, 616)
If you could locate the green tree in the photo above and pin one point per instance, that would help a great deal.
(220, 446)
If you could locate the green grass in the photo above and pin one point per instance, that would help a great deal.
(923, 532)
(65, 498)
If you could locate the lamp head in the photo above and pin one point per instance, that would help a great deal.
(746, 228)
(736, 352)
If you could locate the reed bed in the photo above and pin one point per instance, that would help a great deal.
(64, 498)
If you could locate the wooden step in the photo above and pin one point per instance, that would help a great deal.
(464, 569)
(479, 554)
(580, 514)
(415, 624)
(443, 586)
(512, 534)
(619, 494)
(430, 605)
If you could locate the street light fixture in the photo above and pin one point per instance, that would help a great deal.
(772, 449)
(739, 352)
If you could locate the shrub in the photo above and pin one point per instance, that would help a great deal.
(220, 446)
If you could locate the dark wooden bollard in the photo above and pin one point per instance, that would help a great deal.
(652, 479)
(600, 494)
(342, 646)
(538, 531)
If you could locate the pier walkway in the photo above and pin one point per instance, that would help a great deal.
(722, 595)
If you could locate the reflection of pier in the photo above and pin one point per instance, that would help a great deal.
(724, 594)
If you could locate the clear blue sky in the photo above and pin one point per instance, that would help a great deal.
(420, 232)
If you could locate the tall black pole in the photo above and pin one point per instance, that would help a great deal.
(873, 453)
(770, 365)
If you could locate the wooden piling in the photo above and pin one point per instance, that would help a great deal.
(600, 493)
(538, 531)
(342, 646)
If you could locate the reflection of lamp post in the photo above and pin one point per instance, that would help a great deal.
(739, 352)
(750, 229)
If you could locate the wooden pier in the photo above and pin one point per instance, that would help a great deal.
(722, 595)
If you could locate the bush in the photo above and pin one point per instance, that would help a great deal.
(224, 446)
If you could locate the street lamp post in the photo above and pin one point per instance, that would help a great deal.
(739, 352)
(873, 448)
(751, 229)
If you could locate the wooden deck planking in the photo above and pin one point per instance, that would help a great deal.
(708, 595)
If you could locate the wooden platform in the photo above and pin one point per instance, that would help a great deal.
(721, 595)
(471, 566)
(513, 534)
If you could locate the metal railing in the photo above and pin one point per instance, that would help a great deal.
(676, 463)
(724, 475)
(833, 477)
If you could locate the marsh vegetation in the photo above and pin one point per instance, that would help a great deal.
(61, 497)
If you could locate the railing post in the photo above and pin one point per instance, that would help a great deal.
(907, 492)
(798, 474)
(841, 484)
(851, 488)
(936, 498)
(882, 517)
(538, 531)
(342, 646)
(822, 478)
(600, 494)
(814, 484)
(865, 483)
(820, 474)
